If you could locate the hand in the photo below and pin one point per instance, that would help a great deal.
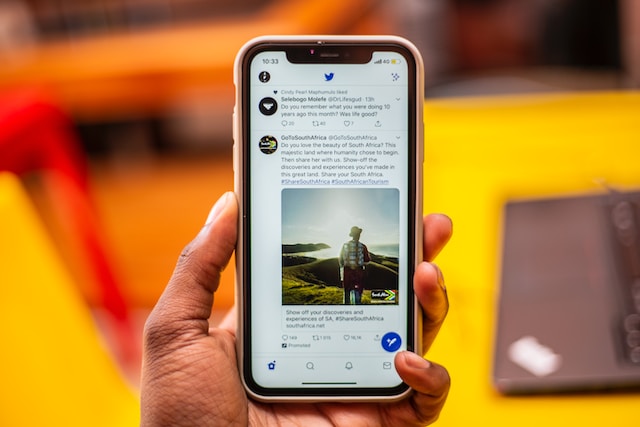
(189, 373)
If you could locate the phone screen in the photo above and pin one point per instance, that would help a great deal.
(329, 203)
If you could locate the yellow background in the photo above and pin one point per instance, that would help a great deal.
(479, 153)
(54, 368)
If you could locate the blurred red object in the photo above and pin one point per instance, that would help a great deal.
(37, 136)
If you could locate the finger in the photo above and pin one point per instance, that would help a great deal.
(437, 232)
(430, 382)
(430, 290)
(188, 298)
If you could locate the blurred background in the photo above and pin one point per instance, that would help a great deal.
(116, 114)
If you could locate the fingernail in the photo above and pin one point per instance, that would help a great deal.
(217, 208)
(415, 361)
(440, 278)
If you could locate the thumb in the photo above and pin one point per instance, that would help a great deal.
(188, 296)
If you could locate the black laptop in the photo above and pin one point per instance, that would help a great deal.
(569, 302)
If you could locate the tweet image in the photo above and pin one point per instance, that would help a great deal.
(340, 246)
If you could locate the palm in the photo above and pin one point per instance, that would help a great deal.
(329, 414)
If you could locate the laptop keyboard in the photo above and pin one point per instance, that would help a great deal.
(626, 230)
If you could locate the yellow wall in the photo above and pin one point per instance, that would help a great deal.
(478, 153)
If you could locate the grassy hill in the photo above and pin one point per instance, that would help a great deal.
(303, 247)
(311, 281)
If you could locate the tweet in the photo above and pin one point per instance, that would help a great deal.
(337, 136)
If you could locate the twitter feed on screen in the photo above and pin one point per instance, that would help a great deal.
(329, 192)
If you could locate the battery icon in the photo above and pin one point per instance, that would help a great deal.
(395, 61)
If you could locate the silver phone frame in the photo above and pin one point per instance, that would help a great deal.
(239, 171)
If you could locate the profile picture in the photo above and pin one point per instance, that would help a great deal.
(268, 144)
(268, 106)
(264, 76)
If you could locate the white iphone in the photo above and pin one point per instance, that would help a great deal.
(328, 164)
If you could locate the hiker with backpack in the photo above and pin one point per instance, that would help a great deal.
(353, 260)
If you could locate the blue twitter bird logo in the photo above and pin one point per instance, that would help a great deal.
(328, 77)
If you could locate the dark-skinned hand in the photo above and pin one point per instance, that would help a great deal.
(190, 375)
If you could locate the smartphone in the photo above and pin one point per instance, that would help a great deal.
(328, 152)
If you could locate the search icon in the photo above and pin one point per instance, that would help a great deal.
(310, 365)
